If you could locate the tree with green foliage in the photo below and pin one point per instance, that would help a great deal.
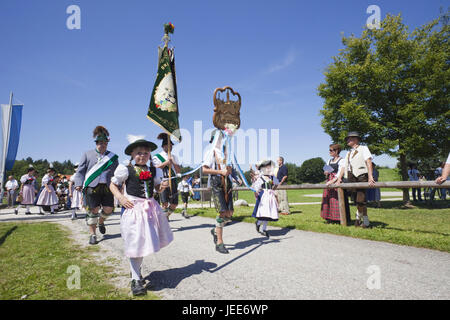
(392, 86)
(311, 171)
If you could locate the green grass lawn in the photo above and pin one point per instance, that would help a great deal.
(421, 227)
(34, 259)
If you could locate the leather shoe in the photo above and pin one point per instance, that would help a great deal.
(93, 239)
(138, 288)
(101, 228)
(221, 248)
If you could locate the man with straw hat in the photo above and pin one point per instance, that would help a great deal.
(358, 168)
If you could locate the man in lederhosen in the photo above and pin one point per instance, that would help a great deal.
(94, 174)
(169, 197)
(358, 168)
(215, 166)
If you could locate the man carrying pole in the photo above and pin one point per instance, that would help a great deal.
(163, 111)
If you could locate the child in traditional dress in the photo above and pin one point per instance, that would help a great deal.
(76, 196)
(266, 207)
(144, 226)
(48, 195)
(27, 190)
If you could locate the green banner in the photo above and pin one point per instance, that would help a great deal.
(163, 108)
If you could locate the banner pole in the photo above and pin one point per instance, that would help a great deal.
(5, 146)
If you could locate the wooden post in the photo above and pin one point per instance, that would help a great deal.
(341, 199)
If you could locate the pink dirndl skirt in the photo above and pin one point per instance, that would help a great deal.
(77, 199)
(144, 228)
(268, 206)
(28, 194)
(46, 198)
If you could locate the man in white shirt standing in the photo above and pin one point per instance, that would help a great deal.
(11, 189)
(358, 168)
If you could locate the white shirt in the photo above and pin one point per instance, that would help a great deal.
(121, 175)
(341, 164)
(157, 162)
(11, 185)
(448, 159)
(46, 180)
(259, 182)
(209, 158)
(183, 186)
(103, 175)
(365, 152)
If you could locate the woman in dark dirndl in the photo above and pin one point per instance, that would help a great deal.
(330, 203)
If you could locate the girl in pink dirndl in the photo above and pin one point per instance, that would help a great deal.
(48, 195)
(144, 226)
(27, 190)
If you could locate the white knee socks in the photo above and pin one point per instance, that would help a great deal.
(264, 224)
(135, 266)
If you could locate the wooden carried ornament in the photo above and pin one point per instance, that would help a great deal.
(226, 112)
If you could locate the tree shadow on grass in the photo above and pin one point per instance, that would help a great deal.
(7, 234)
(382, 225)
(436, 204)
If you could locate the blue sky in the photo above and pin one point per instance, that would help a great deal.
(274, 53)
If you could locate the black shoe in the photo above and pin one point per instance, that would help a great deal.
(137, 288)
(101, 228)
(28, 213)
(221, 248)
(16, 211)
(213, 232)
(266, 233)
(257, 227)
(93, 239)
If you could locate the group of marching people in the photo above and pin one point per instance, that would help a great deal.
(49, 195)
(144, 222)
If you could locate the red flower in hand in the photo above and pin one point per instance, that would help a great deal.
(145, 175)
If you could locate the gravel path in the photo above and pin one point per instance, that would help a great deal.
(291, 264)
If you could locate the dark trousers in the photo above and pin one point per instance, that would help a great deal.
(414, 190)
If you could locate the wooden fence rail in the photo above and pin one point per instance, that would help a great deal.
(357, 185)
